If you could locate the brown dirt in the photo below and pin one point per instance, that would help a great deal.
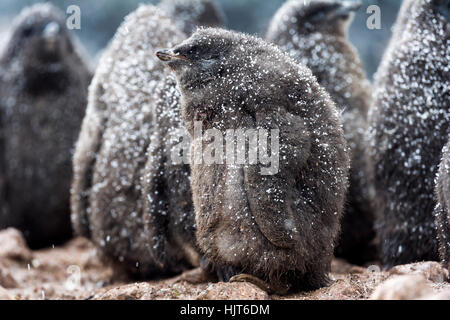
(73, 271)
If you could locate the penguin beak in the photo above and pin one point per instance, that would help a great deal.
(168, 55)
(50, 35)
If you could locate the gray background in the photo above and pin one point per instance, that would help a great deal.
(100, 19)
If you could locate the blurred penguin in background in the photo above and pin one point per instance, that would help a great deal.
(190, 14)
(44, 77)
(409, 126)
(442, 211)
(3, 38)
(315, 33)
(397, 31)
(108, 197)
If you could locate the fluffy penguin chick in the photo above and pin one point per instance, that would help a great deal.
(442, 211)
(408, 129)
(315, 34)
(276, 223)
(190, 14)
(43, 92)
(110, 158)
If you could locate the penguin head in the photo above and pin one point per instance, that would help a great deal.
(442, 7)
(39, 37)
(327, 16)
(190, 14)
(201, 58)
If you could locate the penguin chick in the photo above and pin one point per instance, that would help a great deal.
(43, 90)
(442, 211)
(111, 153)
(276, 223)
(408, 129)
(190, 14)
(314, 33)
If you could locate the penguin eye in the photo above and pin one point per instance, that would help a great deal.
(27, 31)
(193, 50)
(317, 16)
(187, 51)
(211, 57)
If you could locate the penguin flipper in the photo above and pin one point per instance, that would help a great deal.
(156, 217)
(271, 194)
(266, 196)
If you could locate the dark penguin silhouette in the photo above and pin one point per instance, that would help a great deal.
(43, 90)
(315, 33)
(261, 222)
(408, 129)
(190, 14)
(108, 197)
(442, 211)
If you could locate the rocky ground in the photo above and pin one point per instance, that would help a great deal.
(73, 271)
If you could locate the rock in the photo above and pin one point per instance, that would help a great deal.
(233, 291)
(405, 287)
(80, 243)
(6, 279)
(346, 288)
(52, 274)
(127, 292)
(445, 295)
(4, 295)
(194, 276)
(152, 291)
(341, 266)
(355, 286)
(432, 271)
(13, 246)
(175, 289)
